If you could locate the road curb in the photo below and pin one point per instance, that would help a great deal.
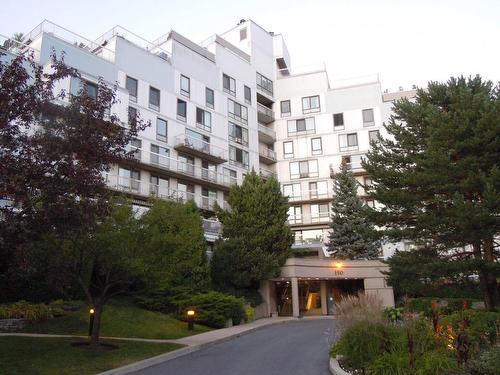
(335, 368)
(136, 366)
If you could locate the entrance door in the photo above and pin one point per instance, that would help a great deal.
(284, 298)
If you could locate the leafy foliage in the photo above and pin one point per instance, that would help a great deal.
(352, 235)
(488, 363)
(256, 239)
(25, 310)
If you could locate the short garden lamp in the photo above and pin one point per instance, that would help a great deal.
(91, 320)
(190, 319)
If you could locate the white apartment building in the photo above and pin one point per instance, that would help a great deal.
(221, 108)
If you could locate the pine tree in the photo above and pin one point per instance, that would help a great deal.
(437, 175)
(352, 235)
(256, 238)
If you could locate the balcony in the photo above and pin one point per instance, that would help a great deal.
(311, 195)
(266, 135)
(266, 155)
(212, 229)
(264, 114)
(264, 85)
(321, 218)
(162, 164)
(200, 148)
(143, 189)
(265, 173)
(353, 163)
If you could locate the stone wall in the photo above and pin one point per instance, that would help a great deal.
(12, 325)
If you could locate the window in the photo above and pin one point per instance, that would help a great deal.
(197, 141)
(288, 149)
(243, 34)
(304, 169)
(185, 191)
(160, 155)
(87, 88)
(238, 134)
(292, 191)
(129, 179)
(185, 86)
(319, 212)
(295, 215)
(373, 136)
(264, 84)
(203, 119)
(131, 85)
(237, 111)
(301, 126)
(368, 119)
(347, 161)
(318, 189)
(135, 146)
(248, 95)
(338, 121)
(348, 142)
(285, 108)
(181, 110)
(161, 129)
(208, 198)
(158, 186)
(230, 177)
(132, 116)
(310, 104)
(209, 97)
(185, 164)
(208, 171)
(154, 98)
(316, 147)
(313, 236)
(229, 84)
(238, 157)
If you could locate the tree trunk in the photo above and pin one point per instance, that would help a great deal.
(484, 278)
(94, 338)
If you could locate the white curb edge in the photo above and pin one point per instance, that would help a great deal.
(335, 368)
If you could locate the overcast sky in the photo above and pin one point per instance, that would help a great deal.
(405, 42)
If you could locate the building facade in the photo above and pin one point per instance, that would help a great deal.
(221, 108)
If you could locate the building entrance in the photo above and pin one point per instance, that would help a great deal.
(337, 289)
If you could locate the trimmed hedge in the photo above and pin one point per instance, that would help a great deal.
(25, 310)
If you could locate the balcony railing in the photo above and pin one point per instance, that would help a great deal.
(354, 165)
(170, 164)
(302, 241)
(265, 114)
(265, 173)
(145, 189)
(213, 227)
(267, 131)
(267, 153)
(323, 217)
(201, 147)
(309, 195)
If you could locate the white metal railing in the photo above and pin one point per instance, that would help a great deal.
(322, 217)
(97, 49)
(266, 111)
(301, 240)
(18, 48)
(201, 146)
(266, 130)
(353, 165)
(267, 152)
(309, 195)
(267, 173)
(146, 189)
(212, 226)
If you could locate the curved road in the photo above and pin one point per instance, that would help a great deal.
(291, 348)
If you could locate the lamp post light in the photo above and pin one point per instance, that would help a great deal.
(190, 319)
(91, 321)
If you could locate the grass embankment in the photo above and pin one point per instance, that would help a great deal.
(120, 319)
(48, 356)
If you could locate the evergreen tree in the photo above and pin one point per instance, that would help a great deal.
(437, 175)
(256, 238)
(352, 235)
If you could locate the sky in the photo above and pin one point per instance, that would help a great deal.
(405, 42)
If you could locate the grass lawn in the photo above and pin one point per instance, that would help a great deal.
(35, 355)
(120, 319)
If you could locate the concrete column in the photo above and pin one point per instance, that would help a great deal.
(295, 297)
(324, 307)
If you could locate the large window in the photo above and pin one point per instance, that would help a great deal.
(154, 98)
(131, 85)
(181, 110)
(203, 119)
(132, 115)
(285, 108)
(348, 142)
(292, 191)
(209, 97)
(135, 146)
(129, 179)
(310, 104)
(316, 147)
(185, 191)
(208, 171)
(319, 213)
(237, 111)
(318, 189)
(229, 85)
(301, 126)
(304, 169)
(230, 177)
(158, 186)
(338, 121)
(368, 118)
(78, 85)
(374, 136)
(295, 215)
(238, 134)
(161, 129)
(248, 95)
(160, 155)
(197, 141)
(238, 157)
(313, 236)
(185, 86)
(264, 84)
(185, 164)
(288, 149)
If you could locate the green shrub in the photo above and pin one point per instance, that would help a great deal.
(435, 362)
(445, 305)
(393, 314)
(396, 363)
(354, 309)
(214, 309)
(249, 313)
(488, 363)
(25, 310)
